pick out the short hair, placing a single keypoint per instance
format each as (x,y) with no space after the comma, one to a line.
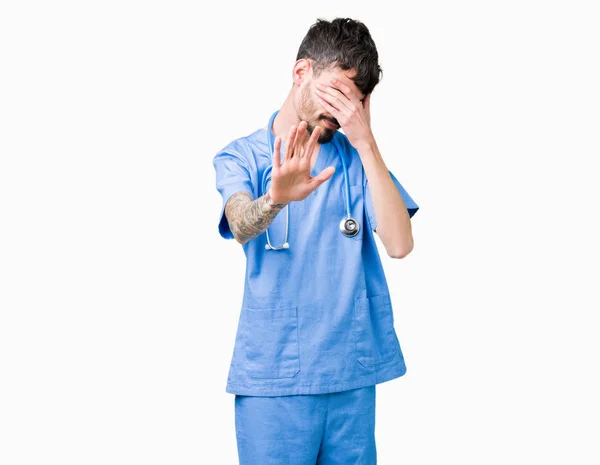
(347,44)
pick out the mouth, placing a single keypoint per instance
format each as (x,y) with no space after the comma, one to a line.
(331,125)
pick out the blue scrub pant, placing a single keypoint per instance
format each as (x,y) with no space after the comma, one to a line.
(317,429)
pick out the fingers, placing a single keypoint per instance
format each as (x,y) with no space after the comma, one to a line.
(351,95)
(344,89)
(330,108)
(312,151)
(323,176)
(298,149)
(289,146)
(277,154)
(334,97)
(300,140)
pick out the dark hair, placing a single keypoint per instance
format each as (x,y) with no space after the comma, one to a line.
(345,43)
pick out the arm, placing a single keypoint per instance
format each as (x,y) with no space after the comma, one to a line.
(353,114)
(393,221)
(249,218)
(291,181)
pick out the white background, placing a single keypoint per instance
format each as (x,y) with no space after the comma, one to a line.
(119,300)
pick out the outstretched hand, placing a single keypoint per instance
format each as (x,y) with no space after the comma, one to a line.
(290,176)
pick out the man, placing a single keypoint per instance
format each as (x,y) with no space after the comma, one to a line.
(316,328)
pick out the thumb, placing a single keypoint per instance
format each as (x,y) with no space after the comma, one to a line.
(323,176)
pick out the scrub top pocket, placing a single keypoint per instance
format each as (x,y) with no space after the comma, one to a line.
(268,342)
(375,337)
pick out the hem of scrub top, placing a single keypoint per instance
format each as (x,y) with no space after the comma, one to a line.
(371,380)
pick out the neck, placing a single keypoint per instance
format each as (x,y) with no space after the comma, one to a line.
(285,119)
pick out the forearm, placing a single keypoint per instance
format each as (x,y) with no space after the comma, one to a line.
(249,218)
(393,222)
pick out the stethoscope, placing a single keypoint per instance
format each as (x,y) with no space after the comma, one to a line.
(348,226)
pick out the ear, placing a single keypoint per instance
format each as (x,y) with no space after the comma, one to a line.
(302,69)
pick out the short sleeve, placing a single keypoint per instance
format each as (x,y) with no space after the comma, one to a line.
(232,175)
(411,205)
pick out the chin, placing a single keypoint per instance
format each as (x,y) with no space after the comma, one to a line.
(325,136)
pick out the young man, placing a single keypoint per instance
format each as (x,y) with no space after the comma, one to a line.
(316,328)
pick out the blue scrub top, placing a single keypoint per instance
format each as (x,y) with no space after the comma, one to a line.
(315,318)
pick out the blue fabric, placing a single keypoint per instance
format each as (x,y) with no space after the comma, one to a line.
(321,429)
(315,318)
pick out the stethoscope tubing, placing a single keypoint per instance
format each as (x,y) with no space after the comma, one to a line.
(265,180)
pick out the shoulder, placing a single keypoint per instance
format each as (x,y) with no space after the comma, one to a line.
(245,148)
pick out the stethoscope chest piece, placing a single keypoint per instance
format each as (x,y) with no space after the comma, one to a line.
(349,227)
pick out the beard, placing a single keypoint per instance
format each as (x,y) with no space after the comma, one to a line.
(308,107)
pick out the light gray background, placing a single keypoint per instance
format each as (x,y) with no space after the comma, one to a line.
(119,301)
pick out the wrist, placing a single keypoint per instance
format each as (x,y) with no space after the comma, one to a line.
(367,146)
(274,203)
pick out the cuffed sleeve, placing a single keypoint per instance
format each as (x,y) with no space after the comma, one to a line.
(411,205)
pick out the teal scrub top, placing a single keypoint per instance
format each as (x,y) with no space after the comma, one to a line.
(317,317)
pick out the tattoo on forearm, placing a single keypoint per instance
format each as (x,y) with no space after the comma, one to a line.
(249,218)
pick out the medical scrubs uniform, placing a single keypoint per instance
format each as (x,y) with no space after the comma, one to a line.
(316,325)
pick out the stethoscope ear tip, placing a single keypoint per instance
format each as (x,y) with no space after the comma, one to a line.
(286,246)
